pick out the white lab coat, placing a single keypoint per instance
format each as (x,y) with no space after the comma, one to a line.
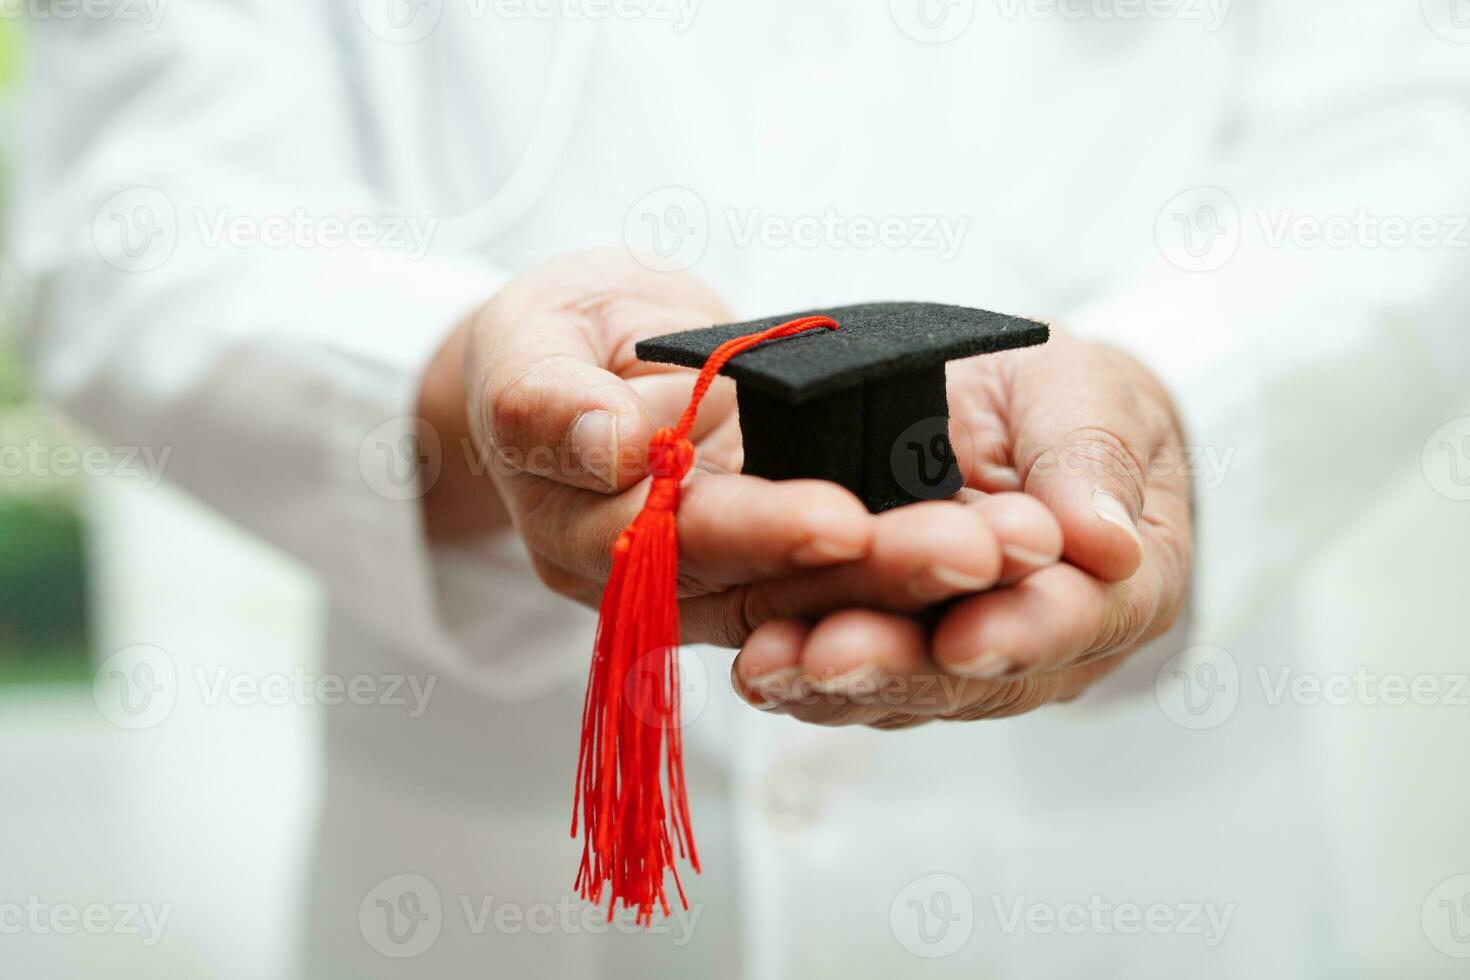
(278,373)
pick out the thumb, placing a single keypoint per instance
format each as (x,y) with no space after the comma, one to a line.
(544,401)
(1087,419)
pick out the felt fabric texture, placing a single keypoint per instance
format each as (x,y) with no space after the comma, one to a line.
(873,340)
(863,406)
(857,437)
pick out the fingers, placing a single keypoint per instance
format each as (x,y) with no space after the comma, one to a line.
(848,652)
(732,529)
(859,667)
(1030,537)
(1087,420)
(752,550)
(925,553)
(766,670)
(1052,618)
(1061,617)
(917,556)
(920,555)
(854,667)
(545,363)
(735,529)
(665,395)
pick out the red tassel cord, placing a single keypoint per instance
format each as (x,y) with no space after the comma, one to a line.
(631,743)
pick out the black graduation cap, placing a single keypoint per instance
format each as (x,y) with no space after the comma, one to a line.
(863,405)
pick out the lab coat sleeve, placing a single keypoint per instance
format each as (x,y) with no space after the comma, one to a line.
(1319,344)
(205,270)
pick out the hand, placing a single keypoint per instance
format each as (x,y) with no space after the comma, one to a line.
(562,411)
(1086,430)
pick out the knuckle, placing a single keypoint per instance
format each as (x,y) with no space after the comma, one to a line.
(518,409)
(1020,696)
(756,607)
(733,621)
(1007,698)
(1129,616)
(1097,452)
(1100,450)
(507,407)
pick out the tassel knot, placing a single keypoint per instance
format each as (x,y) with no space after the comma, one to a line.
(670,457)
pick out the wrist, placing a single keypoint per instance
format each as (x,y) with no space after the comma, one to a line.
(463,502)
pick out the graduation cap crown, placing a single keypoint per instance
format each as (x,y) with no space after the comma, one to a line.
(863,406)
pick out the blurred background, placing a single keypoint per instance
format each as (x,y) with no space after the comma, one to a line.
(130,813)
(101,809)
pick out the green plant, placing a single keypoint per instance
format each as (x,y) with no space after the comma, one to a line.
(43,593)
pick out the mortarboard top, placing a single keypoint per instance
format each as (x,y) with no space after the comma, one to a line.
(864,405)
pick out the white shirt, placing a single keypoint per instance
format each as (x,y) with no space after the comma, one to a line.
(1046,160)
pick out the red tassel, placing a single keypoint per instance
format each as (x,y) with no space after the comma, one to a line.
(630,719)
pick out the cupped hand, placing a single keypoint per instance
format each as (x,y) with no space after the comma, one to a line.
(1083,429)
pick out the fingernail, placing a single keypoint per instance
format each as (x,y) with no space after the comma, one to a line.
(1000,477)
(939,582)
(1111,509)
(774,688)
(594,441)
(863,680)
(822,552)
(1026,557)
(984,667)
(955,579)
